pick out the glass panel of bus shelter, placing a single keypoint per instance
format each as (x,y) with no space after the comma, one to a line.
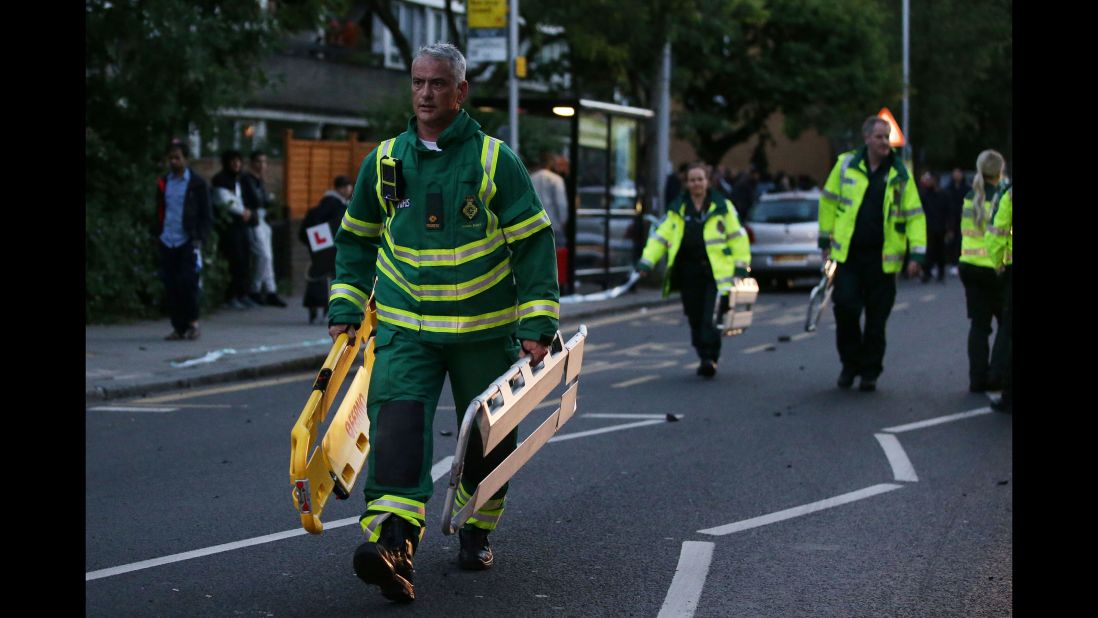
(591,178)
(623,192)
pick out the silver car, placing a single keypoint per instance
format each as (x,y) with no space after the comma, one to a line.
(783,229)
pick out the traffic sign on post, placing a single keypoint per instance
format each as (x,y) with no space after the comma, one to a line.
(895,136)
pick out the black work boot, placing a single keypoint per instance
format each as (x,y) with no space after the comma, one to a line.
(388,563)
(846,378)
(475,553)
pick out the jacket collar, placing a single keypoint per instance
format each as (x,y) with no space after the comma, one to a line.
(861,156)
(712,198)
(462,128)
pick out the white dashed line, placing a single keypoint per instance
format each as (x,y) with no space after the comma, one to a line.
(797,511)
(902,470)
(937,421)
(634,381)
(686,587)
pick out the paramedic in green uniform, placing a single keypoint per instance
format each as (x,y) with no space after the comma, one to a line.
(446,219)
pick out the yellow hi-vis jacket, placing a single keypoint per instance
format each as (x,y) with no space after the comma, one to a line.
(973,247)
(904,221)
(999,237)
(726,243)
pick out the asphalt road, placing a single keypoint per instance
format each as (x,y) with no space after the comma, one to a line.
(775,494)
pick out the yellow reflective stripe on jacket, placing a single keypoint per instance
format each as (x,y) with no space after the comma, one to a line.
(539,307)
(445,257)
(349,292)
(489,158)
(892,257)
(526,227)
(445,323)
(446,292)
(991,229)
(360,227)
(981,252)
(383,150)
(912,212)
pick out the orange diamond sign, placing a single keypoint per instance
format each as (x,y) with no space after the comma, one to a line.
(895,135)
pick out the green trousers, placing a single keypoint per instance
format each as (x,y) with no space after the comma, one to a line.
(404,388)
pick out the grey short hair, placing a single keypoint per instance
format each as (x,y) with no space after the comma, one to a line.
(447,53)
(872,121)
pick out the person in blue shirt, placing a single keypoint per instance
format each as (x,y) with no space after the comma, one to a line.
(183,220)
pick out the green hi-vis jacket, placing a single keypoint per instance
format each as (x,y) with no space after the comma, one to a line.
(726,243)
(973,247)
(999,237)
(465,254)
(904,221)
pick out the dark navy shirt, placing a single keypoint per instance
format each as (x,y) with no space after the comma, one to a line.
(869,226)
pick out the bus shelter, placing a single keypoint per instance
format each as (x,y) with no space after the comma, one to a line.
(605,227)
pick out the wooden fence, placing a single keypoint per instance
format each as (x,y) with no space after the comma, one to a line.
(311,165)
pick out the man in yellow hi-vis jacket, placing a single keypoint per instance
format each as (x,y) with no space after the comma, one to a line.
(869,216)
(447,220)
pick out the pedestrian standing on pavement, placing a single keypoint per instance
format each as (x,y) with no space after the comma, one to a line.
(183,221)
(235,243)
(466,284)
(1000,249)
(983,286)
(935,208)
(263,289)
(706,249)
(956,191)
(554,197)
(322,252)
(869,216)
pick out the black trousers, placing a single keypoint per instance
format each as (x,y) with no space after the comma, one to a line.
(699,295)
(984,300)
(179,269)
(861,285)
(1007,333)
(238,252)
(935,254)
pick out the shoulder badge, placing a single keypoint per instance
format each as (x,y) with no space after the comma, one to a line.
(470,209)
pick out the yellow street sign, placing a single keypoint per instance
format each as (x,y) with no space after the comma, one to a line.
(520,67)
(486,13)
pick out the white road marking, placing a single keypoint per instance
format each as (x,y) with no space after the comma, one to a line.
(129,409)
(797,511)
(902,470)
(800,336)
(634,381)
(305,378)
(632,315)
(937,421)
(440,469)
(928,297)
(613,415)
(758,348)
(595,432)
(686,587)
(900,306)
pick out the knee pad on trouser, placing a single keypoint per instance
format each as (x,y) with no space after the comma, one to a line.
(398,444)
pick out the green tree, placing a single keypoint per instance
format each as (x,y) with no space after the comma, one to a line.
(961,87)
(819,63)
(153,70)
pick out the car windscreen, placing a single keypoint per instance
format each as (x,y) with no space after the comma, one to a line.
(784,211)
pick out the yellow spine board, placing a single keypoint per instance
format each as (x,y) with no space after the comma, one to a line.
(312,478)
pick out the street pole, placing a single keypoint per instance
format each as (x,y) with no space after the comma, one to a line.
(907,80)
(663,130)
(512,80)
